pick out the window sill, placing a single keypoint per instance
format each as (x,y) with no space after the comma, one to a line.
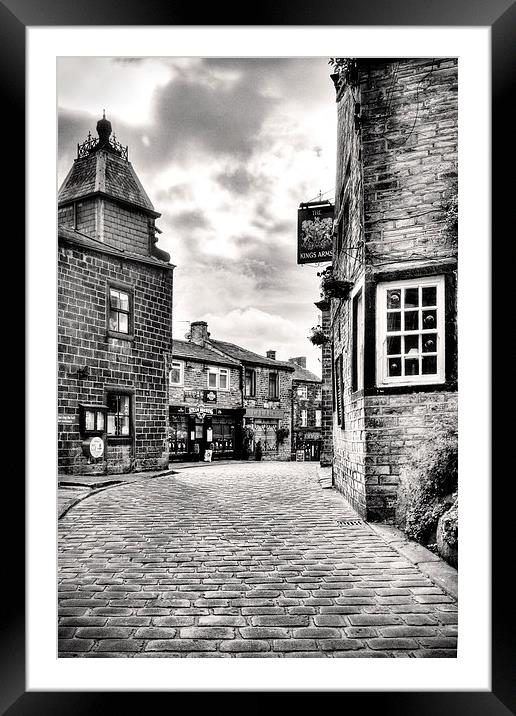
(119,439)
(120,336)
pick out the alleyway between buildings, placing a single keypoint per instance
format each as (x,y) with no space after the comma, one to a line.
(244,560)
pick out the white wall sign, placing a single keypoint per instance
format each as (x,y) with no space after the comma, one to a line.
(97,447)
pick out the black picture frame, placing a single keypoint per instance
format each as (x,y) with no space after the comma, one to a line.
(15,17)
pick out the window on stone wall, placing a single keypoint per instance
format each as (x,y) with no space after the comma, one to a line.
(410,332)
(304,418)
(357,366)
(273,385)
(177,372)
(302,392)
(119,414)
(218,378)
(250,382)
(265,430)
(318,418)
(339,400)
(120,311)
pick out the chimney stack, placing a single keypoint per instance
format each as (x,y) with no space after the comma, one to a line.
(271,355)
(300,361)
(199,332)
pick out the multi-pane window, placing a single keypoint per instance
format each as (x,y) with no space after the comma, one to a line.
(119,414)
(250,382)
(119,311)
(273,385)
(304,418)
(177,372)
(302,392)
(218,378)
(410,318)
(318,418)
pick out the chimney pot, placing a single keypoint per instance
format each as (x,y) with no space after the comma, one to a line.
(271,355)
(199,332)
(300,361)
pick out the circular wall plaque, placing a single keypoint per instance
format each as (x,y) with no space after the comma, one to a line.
(97,447)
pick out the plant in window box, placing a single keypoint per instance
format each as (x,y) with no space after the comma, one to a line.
(331,286)
(317,336)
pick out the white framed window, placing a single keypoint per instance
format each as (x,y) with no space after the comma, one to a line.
(410,331)
(218,378)
(318,417)
(302,392)
(177,372)
(304,418)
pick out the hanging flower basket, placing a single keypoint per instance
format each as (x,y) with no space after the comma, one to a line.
(282,434)
(317,336)
(332,287)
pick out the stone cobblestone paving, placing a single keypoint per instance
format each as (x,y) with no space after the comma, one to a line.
(239,561)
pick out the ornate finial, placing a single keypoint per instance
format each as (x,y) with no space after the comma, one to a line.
(104,131)
(103,114)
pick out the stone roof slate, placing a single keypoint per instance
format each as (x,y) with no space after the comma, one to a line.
(188,349)
(305,375)
(104,173)
(76,237)
(246,356)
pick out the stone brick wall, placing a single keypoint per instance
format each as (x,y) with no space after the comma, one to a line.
(126,229)
(196,381)
(349,438)
(409,148)
(137,366)
(396,169)
(122,227)
(311,404)
(283,404)
(395,425)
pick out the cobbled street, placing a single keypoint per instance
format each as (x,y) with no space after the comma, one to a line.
(244,560)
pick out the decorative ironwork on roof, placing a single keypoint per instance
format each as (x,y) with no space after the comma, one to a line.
(103,141)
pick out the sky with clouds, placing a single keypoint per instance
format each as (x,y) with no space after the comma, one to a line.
(226,149)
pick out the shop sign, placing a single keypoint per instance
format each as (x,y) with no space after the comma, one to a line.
(96,447)
(264,413)
(314,232)
(312,436)
(195,394)
(209,396)
(67,419)
(200,410)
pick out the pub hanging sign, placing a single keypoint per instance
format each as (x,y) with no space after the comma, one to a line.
(314,232)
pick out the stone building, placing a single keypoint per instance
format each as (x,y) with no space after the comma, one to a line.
(392,286)
(114,317)
(239,398)
(206,405)
(306,412)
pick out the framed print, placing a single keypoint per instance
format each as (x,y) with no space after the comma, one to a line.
(228,400)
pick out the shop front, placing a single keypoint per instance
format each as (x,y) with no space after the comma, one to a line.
(308,445)
(194,429)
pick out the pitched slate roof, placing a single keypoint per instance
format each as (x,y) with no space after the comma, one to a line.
(242,354)
(305,375)
(103,172)
(193,351)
